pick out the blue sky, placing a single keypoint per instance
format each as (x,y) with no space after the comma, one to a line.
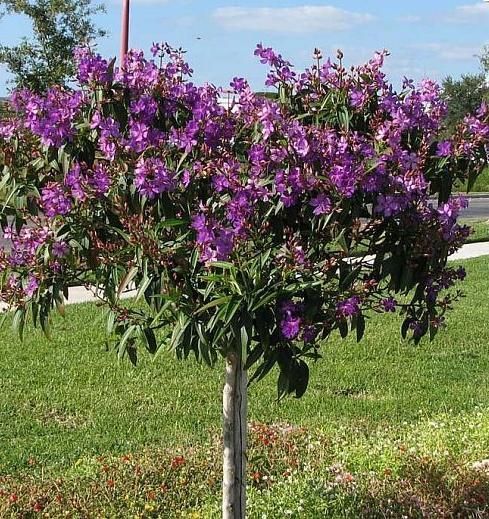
(429,38)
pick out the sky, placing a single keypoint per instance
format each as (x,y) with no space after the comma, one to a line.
(426,38)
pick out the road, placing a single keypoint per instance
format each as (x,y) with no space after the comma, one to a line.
(478,208)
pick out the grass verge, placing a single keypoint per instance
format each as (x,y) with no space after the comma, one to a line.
(386,427)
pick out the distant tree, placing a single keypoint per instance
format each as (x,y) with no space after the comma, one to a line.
(465,95)
(58,26)
(484,58)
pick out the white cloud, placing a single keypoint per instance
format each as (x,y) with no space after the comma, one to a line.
(410,18)
(448,51)
(470,13)
(300,19)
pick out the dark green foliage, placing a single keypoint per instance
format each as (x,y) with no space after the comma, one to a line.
(464,96)
(58,27)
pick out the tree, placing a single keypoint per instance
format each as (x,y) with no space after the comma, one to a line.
(465,95)
(253,233)
(58,27)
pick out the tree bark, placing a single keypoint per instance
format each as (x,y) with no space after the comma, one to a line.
(234,406)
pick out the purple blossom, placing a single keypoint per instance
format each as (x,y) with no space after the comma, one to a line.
(322,204)
(444,149)
(152,177)
(348,308)
(309,334)
(55,201)
(291,320)
(239,84)
(100,180)
(60,249)
(389,304)
(358,98)
(215,242)
(75,181)
(290,327)
(32,286)
(92,68)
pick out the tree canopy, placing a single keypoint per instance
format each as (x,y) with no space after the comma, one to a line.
(465,94)
(58,27)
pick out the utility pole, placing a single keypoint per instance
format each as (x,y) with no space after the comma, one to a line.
(124,31)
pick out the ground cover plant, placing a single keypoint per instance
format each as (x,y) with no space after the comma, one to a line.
(236,225)
(386,427)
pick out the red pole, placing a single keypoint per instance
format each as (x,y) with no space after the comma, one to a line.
(124,30)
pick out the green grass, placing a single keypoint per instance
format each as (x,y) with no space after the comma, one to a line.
(480,229)
(70,398)
(481,184)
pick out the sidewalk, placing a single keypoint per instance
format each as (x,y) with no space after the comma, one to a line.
(83,295)
(471,250)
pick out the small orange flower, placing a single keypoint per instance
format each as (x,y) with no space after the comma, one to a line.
(177,461)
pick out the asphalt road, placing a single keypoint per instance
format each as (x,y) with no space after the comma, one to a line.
(478,208)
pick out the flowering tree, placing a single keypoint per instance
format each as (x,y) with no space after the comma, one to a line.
(251,232)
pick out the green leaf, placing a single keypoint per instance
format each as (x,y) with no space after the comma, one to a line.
(360,327)
(405,327)
(254,356)
(343,328)
(18,322)
(126,280)
(348,275)
(150,339)
(222,264)
(121,349)
(283,384)
(132,353)
(263,369)
(300,378)
(171,222)
(216,302)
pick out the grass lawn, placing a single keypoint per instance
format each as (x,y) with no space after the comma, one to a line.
(481,185)
(67,401)
(480,229)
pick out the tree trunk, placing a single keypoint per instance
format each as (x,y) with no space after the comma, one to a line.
(234,407)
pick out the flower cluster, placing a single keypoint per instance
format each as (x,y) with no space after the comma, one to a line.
(144,173)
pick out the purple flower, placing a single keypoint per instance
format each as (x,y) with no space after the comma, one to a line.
(389,304)
(100,180)
(390,205)
(290,327)
(74,180)
(215,242)
(239,84)
(357,98)
(152,177)
(309,334)
(60,249)
(92,68)
(348,308)
(444,149)
(54,200)
(32,286)
(291,320)
(322,204)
